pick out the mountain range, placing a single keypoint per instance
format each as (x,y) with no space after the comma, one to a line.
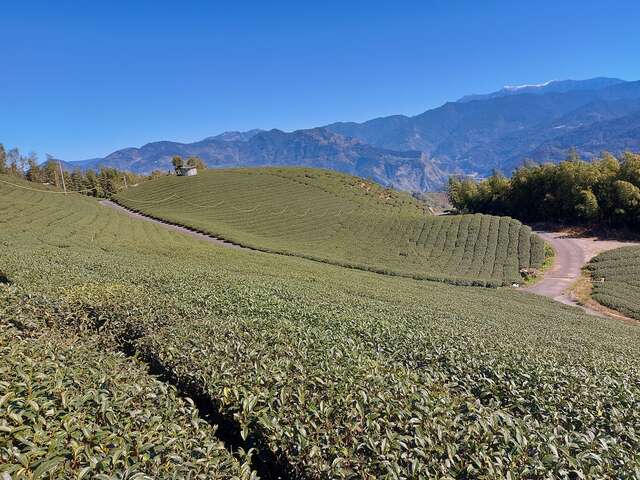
(472,136)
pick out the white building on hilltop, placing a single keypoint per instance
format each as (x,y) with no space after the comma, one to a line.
(186,171)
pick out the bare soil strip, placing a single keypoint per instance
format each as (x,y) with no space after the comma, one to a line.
(572,253)
(171,226)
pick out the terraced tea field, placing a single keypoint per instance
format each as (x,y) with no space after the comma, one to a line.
(326,372)
(342,220)
(70,409)
(616,280)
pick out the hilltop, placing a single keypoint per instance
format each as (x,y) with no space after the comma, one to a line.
(340,219)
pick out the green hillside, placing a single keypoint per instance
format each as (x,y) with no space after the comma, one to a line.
(70,409)
(327,372)
(616,280)
(343,220)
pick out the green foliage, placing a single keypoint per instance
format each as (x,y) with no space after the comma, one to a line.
(177,162)
(628,199)
(606,190)
(70,409)
(462,192)
(3,160)
(104,183)
(339,219)
(587,205)
(337,372)
(196,162)
(616,280)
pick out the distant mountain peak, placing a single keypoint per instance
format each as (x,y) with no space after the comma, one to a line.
(315,147)
(550,86)
(236,135)
(533,85)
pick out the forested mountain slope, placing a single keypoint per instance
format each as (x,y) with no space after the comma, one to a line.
(501,131)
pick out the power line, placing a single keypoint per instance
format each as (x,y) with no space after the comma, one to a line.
(46,191)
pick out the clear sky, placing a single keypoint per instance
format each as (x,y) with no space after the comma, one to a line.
(81,79)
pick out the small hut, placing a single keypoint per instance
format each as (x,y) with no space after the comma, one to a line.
(186,171)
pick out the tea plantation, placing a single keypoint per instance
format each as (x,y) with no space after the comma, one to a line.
(616,280)
(342,220)
(304,369)
(69,408)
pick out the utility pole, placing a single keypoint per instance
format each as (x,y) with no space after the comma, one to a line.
(64,187)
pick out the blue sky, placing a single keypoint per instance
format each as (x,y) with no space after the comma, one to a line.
(81,79)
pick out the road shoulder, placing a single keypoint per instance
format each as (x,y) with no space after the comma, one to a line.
(572,253)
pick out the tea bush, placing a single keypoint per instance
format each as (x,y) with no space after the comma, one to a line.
(70,409)
(333,372)
(339,219)
(616,280)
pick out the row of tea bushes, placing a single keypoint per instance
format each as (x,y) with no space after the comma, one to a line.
(340,394)
(616,280)
(337,372)
(342,220)
(71,409)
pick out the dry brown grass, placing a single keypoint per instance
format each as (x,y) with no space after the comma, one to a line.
(580,292)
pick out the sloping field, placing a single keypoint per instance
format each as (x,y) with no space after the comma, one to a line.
(69,409)
(343,220)
(327,372)
(616,280)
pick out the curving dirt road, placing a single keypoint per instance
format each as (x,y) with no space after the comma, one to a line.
(571,255)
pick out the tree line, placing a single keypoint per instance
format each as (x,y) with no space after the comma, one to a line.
(101,183)
(178,163)
(605,191)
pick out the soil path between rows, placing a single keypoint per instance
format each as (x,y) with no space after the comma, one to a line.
(572,253)
(171,226)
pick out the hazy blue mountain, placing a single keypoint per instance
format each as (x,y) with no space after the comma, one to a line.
(473,136)
(501,131)
(83,165)
(613,134)
(408,170)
